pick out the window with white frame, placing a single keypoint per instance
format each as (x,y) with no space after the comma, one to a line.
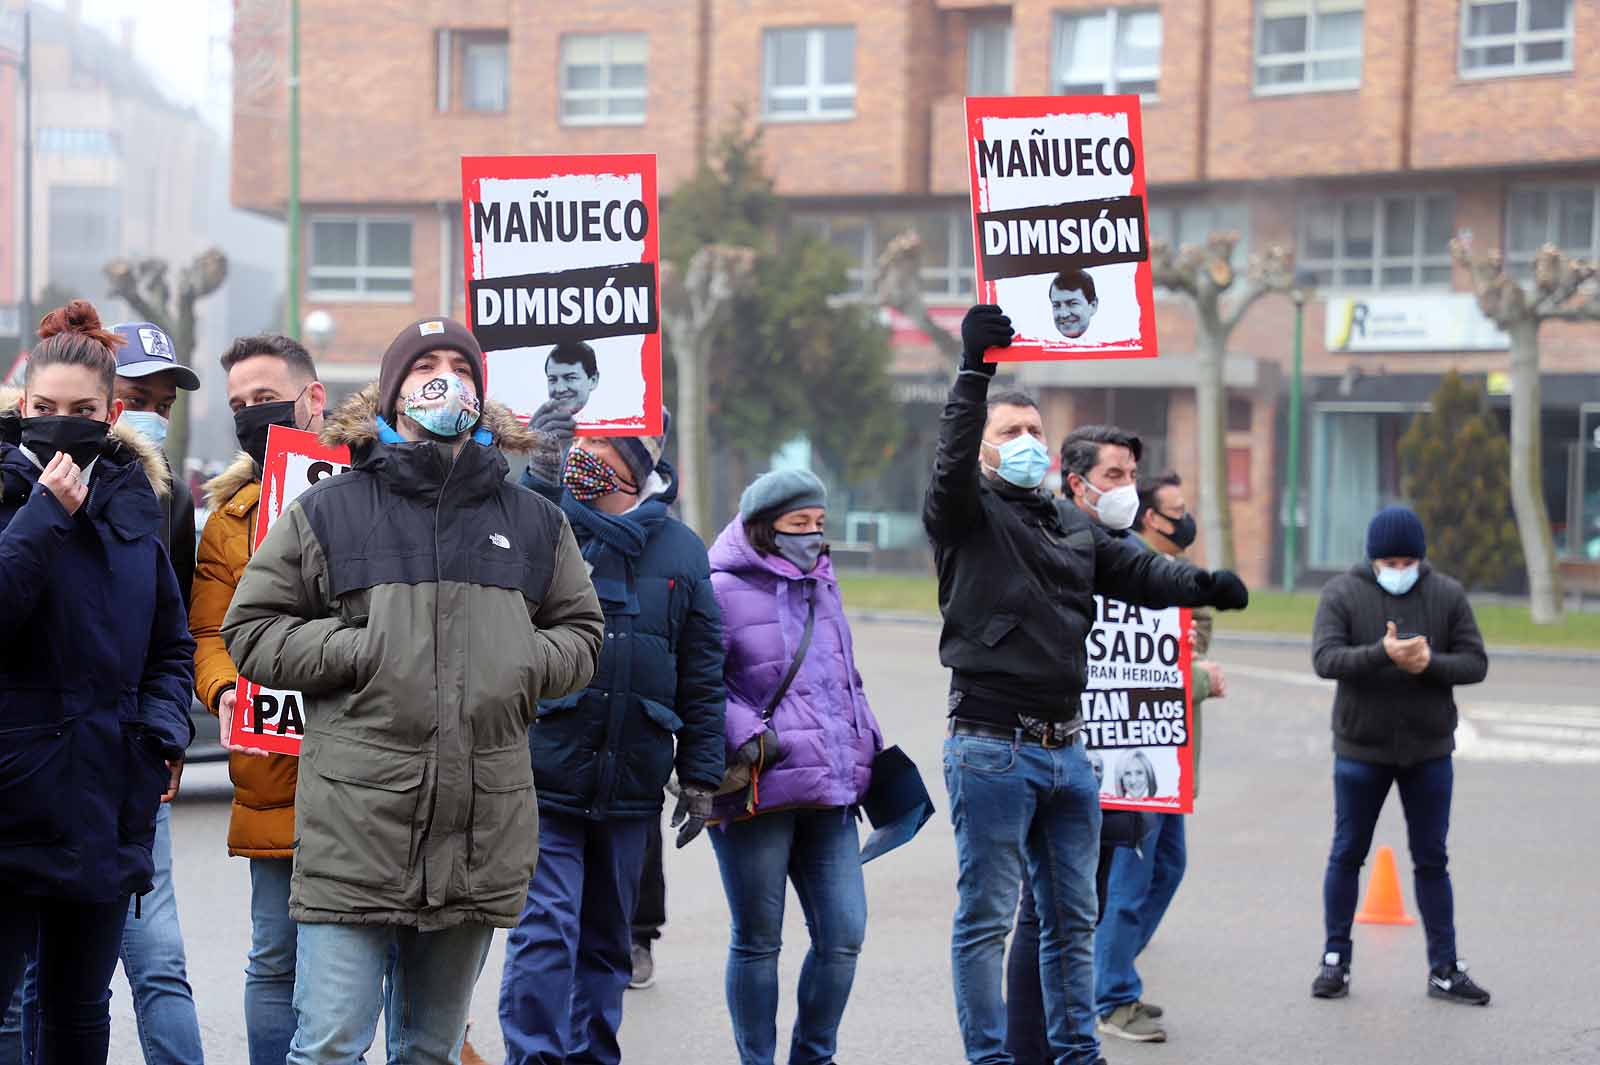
(1381,242)
(989,58)
(1567,216)
(1500,37)
(474,70)
(810,73)
(1184,224)
(1308,45)
(947,270)
(603,78)
(359,258)
(1113,51)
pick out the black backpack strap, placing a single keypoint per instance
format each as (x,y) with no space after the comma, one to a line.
(794,667)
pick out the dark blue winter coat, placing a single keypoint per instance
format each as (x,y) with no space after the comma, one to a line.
(96,667)
(606,752)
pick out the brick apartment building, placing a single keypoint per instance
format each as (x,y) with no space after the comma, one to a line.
(1364,135)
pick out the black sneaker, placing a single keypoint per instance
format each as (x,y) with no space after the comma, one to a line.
(1454,985)
(1333,979)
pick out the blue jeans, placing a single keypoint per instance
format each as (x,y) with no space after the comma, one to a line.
(1017,806)
(269,972)
(75,945)
(569,959)
(820,851)
(339,991)
(1140,889)
(153,959)
(1359,791)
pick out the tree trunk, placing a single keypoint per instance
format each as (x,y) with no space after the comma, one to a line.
(694,479)
(1527,486)
(1211,422)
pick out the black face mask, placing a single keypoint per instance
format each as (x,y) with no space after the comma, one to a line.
(1183,530)
(250,425)
(81,438)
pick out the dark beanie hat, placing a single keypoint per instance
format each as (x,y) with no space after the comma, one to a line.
(427,334)
(1396,533)
(775,494)
(641,453)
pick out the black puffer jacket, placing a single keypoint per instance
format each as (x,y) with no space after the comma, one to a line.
(1381,713)
(1018,573)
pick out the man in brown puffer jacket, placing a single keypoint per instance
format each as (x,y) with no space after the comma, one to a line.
(271,381)
(424,606)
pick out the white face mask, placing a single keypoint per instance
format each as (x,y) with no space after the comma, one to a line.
(1116,506)
(1398,581)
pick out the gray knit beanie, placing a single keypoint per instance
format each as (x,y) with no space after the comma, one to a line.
(775,494)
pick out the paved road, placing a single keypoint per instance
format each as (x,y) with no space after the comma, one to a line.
(1233,961)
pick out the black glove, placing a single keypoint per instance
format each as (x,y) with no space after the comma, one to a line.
(693,811)
(1226,591)
(764,749)
(985,326)
(554,430)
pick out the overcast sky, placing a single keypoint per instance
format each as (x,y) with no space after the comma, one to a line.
(183,43)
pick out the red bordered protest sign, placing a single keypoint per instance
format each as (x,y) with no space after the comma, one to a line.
(562,256)
(1059,224)
(271,719)
(1137,709)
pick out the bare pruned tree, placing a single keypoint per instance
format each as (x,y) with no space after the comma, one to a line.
(695,302)
(897,285)
(1206,277)
(1562,289)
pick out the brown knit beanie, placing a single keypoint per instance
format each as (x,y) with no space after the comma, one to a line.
(428,334)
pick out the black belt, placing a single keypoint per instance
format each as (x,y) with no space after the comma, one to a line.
(960,726)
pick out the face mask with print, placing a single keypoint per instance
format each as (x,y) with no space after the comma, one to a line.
(1024,460)
(148,424)
(802,550)
(589,477)
(442,406)
(1116,506)
(1398,581)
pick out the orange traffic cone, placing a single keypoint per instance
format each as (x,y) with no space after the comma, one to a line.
(1384,904)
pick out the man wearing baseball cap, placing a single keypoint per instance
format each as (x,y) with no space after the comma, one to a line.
(425,607)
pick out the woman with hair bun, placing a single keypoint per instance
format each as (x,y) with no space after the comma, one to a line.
(96,666)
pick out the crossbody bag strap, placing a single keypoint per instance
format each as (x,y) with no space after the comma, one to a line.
(794,667)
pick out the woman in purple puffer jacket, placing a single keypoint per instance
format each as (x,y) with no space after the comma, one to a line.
(810,765)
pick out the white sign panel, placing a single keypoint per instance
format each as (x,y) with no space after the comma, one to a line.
(1440,321)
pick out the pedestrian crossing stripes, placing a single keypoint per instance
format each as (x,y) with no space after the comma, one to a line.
(1511,732)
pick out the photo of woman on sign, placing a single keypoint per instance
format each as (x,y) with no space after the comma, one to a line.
(1136,777)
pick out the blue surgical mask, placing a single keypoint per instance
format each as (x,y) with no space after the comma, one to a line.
(1024,460)
(1398,581)
(148,424)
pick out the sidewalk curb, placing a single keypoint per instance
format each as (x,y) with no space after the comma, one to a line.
(1259,639)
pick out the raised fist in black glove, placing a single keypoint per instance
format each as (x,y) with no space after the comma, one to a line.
(985,326)
(1227,591)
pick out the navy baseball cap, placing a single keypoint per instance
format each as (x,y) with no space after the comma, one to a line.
(149,350)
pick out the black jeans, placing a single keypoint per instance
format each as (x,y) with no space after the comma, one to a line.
(76,944)
(1025,1034)
(1359,791)
(650,912)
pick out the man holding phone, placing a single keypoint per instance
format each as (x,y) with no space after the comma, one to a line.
(1398,636)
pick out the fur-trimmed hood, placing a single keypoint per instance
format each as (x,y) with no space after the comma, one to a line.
(354,424)
(149,456)
(221,489)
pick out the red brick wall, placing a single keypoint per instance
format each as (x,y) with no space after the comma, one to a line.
(1502,121)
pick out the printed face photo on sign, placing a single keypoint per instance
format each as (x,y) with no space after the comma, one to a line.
(571,374)
(597,400)
(1073,302)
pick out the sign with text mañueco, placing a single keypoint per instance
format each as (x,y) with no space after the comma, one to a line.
(561,263)
(1137,715)
(1059,225)
(266,718)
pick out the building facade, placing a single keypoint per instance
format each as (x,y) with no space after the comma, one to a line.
(1362,135)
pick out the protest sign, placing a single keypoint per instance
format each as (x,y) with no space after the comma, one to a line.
(1136,709)
(268,718)
(1059,224)
(561,279)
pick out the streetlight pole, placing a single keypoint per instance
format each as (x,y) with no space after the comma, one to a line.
(26,326)
(1291,533)
(292,307)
